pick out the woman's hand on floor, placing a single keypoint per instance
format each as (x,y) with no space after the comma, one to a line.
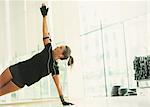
(66,103)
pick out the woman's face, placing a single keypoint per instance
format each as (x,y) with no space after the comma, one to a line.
(59,50)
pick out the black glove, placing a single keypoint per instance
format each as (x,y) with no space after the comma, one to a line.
(64,102)
(44,10)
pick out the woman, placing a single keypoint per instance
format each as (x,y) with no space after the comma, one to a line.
(40,65)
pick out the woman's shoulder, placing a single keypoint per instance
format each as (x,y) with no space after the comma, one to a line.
(48,45)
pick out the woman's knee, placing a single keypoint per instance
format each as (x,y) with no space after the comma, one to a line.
(5,77)
(8,88)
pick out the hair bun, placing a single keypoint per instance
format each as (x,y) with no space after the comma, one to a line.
(70,61)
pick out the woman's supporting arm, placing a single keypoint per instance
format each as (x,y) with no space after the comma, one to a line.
(58,85)
(59,89)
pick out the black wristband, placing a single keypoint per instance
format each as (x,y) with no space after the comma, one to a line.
(62,98)
(45,37)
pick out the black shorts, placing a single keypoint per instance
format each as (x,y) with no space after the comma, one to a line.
(16,77)
(32,70)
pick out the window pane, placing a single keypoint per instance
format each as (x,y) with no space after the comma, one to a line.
(137,41)
(92,56)
(115,58)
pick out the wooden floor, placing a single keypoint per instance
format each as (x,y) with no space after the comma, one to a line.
(133,101)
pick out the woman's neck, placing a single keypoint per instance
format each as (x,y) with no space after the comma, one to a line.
(54,55)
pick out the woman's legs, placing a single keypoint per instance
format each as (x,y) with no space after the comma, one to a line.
(9,87)
(5,77)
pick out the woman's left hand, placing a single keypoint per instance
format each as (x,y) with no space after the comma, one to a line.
(44,10)
(66,103)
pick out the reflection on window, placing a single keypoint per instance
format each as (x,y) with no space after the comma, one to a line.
(137,41)
(115,59)
(93,65)
(122,41)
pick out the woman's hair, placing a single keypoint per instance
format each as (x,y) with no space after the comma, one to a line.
(70,61)
(67,54)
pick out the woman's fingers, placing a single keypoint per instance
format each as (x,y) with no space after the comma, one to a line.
(43,4)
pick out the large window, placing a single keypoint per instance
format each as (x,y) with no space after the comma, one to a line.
(92,55)
(115,56)
(137,40)
(108,51)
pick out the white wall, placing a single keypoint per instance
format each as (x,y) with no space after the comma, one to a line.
(111,12)
(3,45)
(20,29)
